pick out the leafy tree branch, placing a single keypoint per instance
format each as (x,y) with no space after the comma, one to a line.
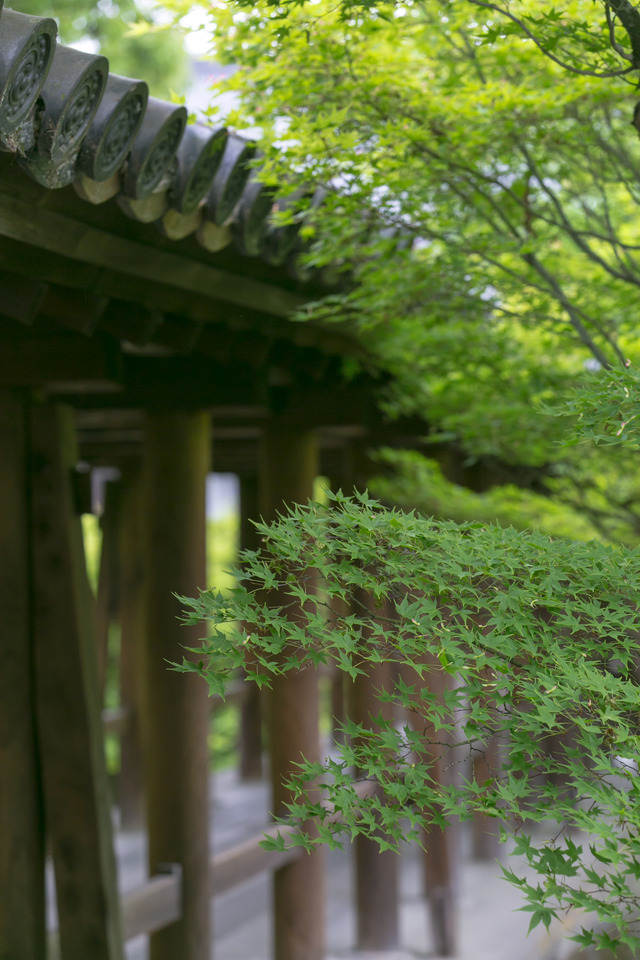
(491,634)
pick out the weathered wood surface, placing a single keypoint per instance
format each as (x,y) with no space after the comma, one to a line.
(77,804)
(21,299)
(441,859)
(64,235)
(157,903)
(174,710)
(154,905)
(485,834)
(21,819)
(57,358)
(248,859)
(290,465)
(376,873)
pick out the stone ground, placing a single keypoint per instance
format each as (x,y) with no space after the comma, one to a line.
(491,927)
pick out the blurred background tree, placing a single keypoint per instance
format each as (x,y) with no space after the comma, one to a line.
(479,211)
(156,55)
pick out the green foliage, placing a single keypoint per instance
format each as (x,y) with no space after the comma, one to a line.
(223,737)
(222,549)
(492,634)
(92,539)
(605,409)
(155,56)
(479,214)
(482,195)
(419,483)
(477,205)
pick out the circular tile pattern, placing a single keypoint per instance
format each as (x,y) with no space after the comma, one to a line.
(161,156)
(26,80)
(118,136)
(78,112)
(203,172)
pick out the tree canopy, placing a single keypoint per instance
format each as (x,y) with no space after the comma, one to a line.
(465,172)
(493,635)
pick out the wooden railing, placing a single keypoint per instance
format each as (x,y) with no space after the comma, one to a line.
(157,903)
(154,905)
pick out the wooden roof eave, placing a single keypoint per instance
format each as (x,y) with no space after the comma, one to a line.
(77,125)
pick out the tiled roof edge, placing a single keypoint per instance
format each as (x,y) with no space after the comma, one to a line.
(69,120)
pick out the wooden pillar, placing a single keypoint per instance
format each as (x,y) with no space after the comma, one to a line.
(485,831)
(377,873)
(131,577)
(174,708)
(289,468)
(440,869)
(441,857)
(77,806)
(22,931)
(251,706)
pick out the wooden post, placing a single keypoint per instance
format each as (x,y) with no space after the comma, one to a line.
(77,807)
(441,856)
(174,708)
(485,832)
(440,869)
(290,465)
(22,931)
(377,874)
(131,575)
(250,708)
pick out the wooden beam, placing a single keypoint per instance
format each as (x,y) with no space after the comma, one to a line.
(70,737)
(290,465)
(180,383)
(154,905)
(248,859)
(179,334)
(64,235)
(22,930)
(206,308)
(158,902)
(174,712)
(131,321)
(20,299)
(37,360)
(76,309)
